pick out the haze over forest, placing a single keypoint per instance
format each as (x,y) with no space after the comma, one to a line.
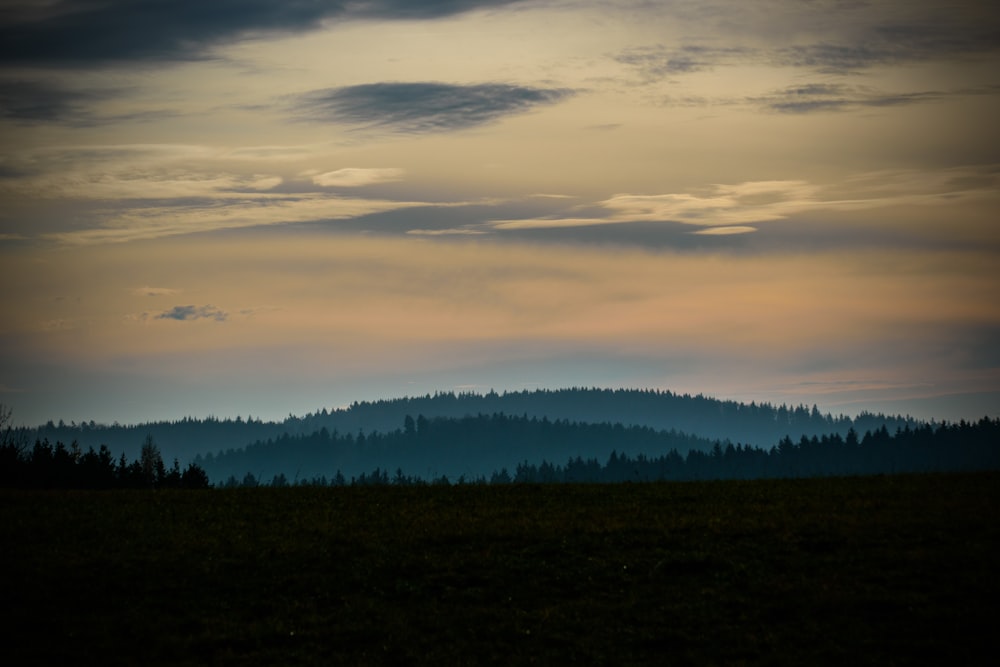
(272,206)
(552,436)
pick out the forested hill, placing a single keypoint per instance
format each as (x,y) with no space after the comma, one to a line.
(468,447)
(759,424)
(714,419)
(499,448)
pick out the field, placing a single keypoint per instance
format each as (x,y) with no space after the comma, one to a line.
(877,570)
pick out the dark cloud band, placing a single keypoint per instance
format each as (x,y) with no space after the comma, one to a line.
(35,101)
(422,107)
(72,33)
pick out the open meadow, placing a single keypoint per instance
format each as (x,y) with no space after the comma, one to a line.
(885,570)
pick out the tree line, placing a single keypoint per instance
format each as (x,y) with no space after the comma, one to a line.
(430,448)
(499,448)
(964,446)
(753,423)
(47,466)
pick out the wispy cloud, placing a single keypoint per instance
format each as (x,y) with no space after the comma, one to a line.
(656,62)
(726,231)
(37,101)
(157,221)
(446,232)
(152,291)
(32,101)
(353,177)
(186,313)
(830,38)
(726,209)
(133,192)
(807,98)
(422,107)
(890,44)
(812,98)
(155,183)
(719,205)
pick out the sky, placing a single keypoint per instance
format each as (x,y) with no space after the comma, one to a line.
(263,207)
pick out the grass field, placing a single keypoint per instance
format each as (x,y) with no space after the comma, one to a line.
(879,570)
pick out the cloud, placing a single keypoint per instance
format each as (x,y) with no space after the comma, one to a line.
(420,107)
(812,98)
(728,209)
(185,313)
(31,102)
(152,291)
(259,182)
(826,37)
(38,101)
(726,231)
(156,221)
(132,192)
(835,58)
(270,153)
(133,171)
(45,170)
(445,232)
(728,206)
(71,34)
(551,223)
(655,63)
(893,43)
(827,97)
(353,177)
(153,183)
(720,205)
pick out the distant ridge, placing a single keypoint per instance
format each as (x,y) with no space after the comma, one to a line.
(706,417)
(761,424)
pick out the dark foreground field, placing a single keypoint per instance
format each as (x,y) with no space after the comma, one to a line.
(880,570)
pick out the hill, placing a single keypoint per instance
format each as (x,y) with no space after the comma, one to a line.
(760,424)
(499,448)
(465,447)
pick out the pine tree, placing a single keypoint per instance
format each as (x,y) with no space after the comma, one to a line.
(151,462)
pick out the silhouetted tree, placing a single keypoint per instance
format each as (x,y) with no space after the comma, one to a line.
(13,448)
(171,479)
(194,477)
(502,477)
(151,462)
